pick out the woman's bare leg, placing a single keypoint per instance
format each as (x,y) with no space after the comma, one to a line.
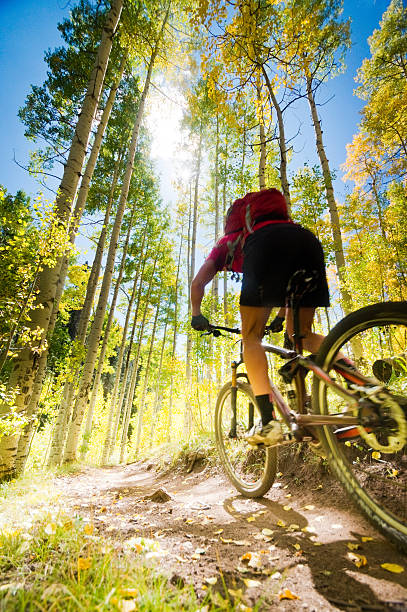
(254,320)
(310,341)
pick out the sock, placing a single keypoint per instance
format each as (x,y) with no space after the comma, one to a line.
(265,407)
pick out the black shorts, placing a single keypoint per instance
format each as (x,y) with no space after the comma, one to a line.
(271,256)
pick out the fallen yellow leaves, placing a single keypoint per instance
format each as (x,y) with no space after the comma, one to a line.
(353,545)
(89,528)
(393,568)
(358,560)
(287,594)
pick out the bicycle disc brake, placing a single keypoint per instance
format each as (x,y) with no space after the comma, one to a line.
(384,424)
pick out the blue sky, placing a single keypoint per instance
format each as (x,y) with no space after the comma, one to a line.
(28,28)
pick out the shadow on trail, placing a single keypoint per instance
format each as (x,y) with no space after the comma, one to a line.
(335,577)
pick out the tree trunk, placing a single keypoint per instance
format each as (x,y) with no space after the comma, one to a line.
(65,408)
(25,368)
(262,137)
(128,366)
(109,431)
(188,416)
(94,335)
(333,211)
(215,282)
(156,407)
(281,141)
(129,405)
(96,382)
(174,340)
(146,375)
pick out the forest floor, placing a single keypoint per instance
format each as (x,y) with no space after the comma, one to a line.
(294,549)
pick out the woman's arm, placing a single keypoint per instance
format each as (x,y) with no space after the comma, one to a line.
(204,276)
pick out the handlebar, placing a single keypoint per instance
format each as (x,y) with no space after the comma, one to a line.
(215,330)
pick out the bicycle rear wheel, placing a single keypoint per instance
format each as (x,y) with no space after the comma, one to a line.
(371,463)
(252,471)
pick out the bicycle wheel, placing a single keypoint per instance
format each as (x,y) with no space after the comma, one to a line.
(371,463)
(252,471)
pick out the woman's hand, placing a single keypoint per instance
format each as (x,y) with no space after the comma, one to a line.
(200,323)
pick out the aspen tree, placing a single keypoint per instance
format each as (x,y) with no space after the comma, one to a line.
(25,367)
(129,404)
(65,408)
(108,439)
(98,374)
(141,403)
(94,335)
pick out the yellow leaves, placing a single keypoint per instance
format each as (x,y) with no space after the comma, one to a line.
(84,563)
(353,546)
(376,455)
(287,594)
(358,560)
(281,523)
(366,539)
(393,568)
(89,529)
(287,508)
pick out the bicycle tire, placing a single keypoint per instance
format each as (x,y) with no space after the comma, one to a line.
(266,466)
(358,476)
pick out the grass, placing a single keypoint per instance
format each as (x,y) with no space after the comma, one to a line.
(53,561)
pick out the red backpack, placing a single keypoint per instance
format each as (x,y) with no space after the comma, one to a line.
(245,213)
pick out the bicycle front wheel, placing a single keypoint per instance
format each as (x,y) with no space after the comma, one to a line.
(371,463)
(252,471)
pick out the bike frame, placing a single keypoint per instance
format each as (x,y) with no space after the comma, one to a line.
(299,366)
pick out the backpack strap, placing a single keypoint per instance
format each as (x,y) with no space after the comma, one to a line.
(231,246)
(248,220)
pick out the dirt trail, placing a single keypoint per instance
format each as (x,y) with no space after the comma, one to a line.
(206,527)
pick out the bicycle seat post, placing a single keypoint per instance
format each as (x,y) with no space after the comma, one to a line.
(295,307)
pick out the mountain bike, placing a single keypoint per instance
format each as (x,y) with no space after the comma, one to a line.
(356,417)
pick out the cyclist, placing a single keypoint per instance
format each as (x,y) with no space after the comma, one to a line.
(268,253)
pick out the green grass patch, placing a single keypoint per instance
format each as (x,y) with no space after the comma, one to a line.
(63,564)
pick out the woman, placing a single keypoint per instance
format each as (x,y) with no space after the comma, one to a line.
(268,252)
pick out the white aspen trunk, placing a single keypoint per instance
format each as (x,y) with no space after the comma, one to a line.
(188,408)
(156,407)
(128,366)
(281,141)
(215,282)
(108,439)
(65,408)
(96,382)
(262,138)
(26,366)
(174,340)
(130,398)
(330,196)
(94,335)
(333,212)
(26,437)
(146,375)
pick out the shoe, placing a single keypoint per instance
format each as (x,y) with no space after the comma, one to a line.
(269,435)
